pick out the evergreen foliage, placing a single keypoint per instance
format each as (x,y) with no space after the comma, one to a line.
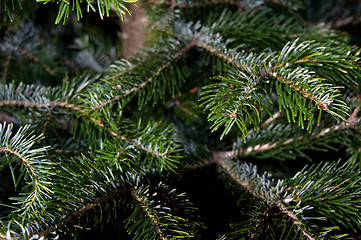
(240,120)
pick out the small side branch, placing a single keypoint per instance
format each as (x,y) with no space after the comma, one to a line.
(268,121)
(305,93)
(40,105)
(350,123)
(48,118)
(82,211)
(81,111)
(35,59)
(295,220)
(150,215)
(32,171)
(150,79)
(218,158)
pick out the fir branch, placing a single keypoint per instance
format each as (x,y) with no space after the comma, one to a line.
(249,28)
(135,141)
(81,185)
(219,159)
(305,92)
(350,123)
(338,188)
(259,187)
(156,211)
(38,170)
(149,214)
(35,59)
(122,192)
(81,112)
(246,176)
(233,91)
(150,79)
(34,176)
(339,63)
(31,56)
(295,220)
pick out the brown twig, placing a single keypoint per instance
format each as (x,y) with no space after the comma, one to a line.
(67,151)
(48,118)
(217,53)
